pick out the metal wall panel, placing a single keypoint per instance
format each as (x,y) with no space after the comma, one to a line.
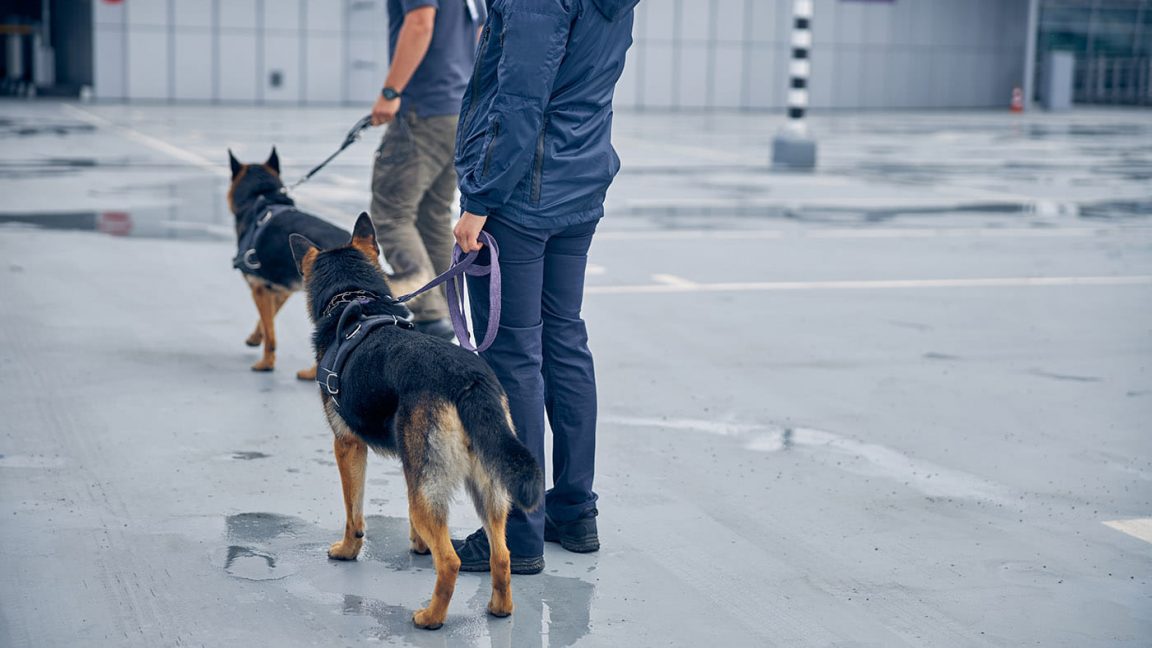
(148,61)
(192,65)
(236,75)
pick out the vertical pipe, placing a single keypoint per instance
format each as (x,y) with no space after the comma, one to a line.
(1030,52)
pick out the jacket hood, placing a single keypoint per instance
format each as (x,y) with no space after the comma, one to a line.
(615,9)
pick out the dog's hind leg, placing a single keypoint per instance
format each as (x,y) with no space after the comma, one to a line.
(257,336)
(500,562)
(417,545)
(430,521)
(352,459)
(265,300)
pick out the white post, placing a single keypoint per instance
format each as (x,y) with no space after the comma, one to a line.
(1030,52)
(793,147)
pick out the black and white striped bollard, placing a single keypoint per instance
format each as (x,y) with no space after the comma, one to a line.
(793,147)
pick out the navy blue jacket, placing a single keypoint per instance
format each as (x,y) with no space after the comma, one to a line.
(534,141)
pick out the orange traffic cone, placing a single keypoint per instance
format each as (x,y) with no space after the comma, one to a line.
(1017,100)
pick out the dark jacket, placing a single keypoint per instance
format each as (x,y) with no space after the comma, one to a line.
(534,141)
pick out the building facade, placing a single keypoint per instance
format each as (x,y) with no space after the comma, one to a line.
(688,54)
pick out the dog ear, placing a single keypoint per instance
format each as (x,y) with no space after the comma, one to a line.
(235,164)
(273,161)
(364,236)
(304,252)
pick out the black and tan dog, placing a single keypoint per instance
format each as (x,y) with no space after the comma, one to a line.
(437,407)
(265,218)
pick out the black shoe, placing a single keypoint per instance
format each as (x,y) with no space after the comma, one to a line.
(579,535)
(474,555)
(440,328)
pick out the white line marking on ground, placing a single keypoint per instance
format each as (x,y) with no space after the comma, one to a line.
(874,233)
(711,427)
(868,459)
(195,159)
(595,269)
(673,280)
(884,284)
(1137,528)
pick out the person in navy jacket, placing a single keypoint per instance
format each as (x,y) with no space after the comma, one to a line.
(534,159)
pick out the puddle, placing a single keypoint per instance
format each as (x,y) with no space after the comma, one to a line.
(252,564)
(1064,377)
(263,527)
(18,127)
(249,455)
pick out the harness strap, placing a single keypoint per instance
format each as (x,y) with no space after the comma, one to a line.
(353,317)
(245,260)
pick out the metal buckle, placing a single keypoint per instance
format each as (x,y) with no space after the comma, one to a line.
(332,391)
(353,333)
(250,259)
(265,217)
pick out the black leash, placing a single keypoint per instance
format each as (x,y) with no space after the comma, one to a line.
(364,124)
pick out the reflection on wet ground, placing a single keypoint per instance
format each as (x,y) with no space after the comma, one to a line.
(551,610)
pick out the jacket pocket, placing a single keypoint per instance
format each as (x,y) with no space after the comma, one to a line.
(538,165)
(488,149)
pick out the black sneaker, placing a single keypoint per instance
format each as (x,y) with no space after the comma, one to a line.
(440,328)
(579,535)
(474,555)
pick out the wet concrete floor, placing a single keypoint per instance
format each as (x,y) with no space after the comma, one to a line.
(903,401)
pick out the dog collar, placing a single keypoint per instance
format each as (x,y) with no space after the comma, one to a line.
(361,296)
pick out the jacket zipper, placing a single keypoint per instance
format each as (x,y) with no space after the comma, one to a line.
(475,74)
(538,167)
(488,153)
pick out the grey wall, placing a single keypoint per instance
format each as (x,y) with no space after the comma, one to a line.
(903,54)
(688,53)
(326,51)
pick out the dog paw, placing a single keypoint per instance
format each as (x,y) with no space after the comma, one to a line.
(418,547)
(306,374)
(344,550)
(500,607)
(264,365)
(254,340)
(425,619)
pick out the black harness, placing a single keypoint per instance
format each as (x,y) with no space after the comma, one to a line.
(352,329)
(265,209)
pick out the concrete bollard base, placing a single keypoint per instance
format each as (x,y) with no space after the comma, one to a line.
(790,151)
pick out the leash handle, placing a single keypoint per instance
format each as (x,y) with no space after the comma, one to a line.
(456,294)
(454,277)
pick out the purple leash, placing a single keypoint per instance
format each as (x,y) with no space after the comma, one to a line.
(466,265)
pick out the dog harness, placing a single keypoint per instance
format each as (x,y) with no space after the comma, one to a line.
(352,329)
(266,209)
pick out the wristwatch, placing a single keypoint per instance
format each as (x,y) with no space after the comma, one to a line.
(390,93)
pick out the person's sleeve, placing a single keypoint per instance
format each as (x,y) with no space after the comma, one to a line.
(535,38)
(408,6)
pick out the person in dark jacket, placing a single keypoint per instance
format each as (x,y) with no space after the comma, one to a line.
(534,159)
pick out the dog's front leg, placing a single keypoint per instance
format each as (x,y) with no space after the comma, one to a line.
(352,459)
(265,300)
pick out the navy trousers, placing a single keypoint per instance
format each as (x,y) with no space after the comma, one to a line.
(541,357)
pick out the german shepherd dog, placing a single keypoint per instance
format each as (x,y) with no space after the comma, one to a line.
(254,188)
(437,407)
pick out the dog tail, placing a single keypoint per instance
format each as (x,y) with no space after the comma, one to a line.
(488,425)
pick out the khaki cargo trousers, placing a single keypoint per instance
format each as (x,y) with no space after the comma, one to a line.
(413,184)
